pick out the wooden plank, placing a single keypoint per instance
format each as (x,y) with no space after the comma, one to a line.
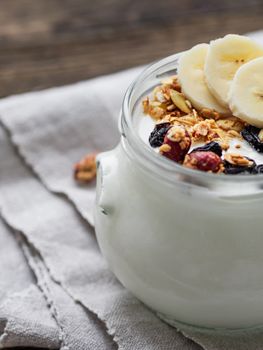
(28,21)
(53,42)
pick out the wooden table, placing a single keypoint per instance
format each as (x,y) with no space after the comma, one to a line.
(47,43)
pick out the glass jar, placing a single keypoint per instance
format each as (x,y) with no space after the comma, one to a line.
(188,244)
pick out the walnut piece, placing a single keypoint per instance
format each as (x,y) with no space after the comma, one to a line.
(85,169)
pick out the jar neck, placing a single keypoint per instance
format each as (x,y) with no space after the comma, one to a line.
(168,171)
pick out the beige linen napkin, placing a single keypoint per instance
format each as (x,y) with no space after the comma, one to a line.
(66,242)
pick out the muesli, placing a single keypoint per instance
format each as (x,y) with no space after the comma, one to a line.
(202,113)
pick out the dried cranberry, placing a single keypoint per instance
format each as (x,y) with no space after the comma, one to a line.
(176,144)
(258,169)
(250,134)
(203,160)
(157,135)
(210,147)
(233,169)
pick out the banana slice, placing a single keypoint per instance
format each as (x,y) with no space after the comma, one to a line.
(191,78)
(246,93)
(224,57)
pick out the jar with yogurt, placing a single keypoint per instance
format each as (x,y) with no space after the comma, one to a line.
(187,243)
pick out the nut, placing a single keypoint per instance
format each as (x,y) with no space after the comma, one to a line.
(209,114)
(85,169)
(180,101)
(176,144)
(235,163)
(165,148)
(201,129)
(238,159)
(145,105)
(158,94)
(230,124)
(205,161)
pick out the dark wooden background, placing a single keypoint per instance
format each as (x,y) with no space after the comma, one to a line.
(47,43)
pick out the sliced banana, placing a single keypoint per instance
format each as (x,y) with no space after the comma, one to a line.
(225,56)
(246,93)
(191,78)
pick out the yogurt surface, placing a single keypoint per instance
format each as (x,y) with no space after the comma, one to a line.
(144,125)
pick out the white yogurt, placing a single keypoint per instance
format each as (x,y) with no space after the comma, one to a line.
(144,125)
(189,254)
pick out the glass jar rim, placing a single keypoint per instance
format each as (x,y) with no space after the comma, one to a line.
(149,159)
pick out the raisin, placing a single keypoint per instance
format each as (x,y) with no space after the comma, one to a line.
(250,134)
(258,169)
(157,135)
(233,169)
(210,147)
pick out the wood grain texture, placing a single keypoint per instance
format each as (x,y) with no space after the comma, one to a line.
(54,42)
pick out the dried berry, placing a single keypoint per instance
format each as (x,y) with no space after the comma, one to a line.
(251,135)
(211,146)
(258,169)
(176,144)
(204,160)
(157,135)
(234,169)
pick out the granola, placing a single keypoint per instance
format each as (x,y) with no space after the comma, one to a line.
(169,107)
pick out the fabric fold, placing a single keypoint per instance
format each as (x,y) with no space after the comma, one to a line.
(69,249)
(78,328)
(24,316)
